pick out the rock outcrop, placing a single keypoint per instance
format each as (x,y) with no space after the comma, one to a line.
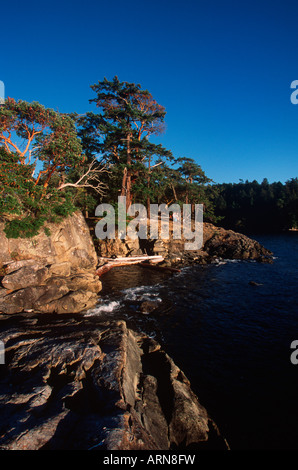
(49,273)
(121,247)
(71,383)
(228,244)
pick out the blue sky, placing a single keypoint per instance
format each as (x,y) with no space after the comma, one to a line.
(222,69)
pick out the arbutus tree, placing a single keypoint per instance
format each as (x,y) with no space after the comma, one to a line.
(34,139)
(42,137)
(31,131)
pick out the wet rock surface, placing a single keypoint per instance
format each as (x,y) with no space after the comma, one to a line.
(71,383)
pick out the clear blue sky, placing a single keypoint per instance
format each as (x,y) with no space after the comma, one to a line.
(221,68)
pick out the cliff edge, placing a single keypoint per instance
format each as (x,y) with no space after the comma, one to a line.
(69,383)
(52,273)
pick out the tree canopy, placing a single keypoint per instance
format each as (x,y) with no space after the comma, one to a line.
(41,162)
(120,133)
(52,163)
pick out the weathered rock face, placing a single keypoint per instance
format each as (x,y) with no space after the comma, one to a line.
(71,383)
(54,273)
(123,247)
(228,244)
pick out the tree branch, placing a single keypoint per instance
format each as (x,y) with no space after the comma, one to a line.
(90,179)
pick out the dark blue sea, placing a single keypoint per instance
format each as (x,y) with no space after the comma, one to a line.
(232,339)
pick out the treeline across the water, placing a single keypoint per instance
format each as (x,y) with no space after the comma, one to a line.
(253,207)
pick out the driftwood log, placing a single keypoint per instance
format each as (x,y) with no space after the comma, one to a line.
(109,263)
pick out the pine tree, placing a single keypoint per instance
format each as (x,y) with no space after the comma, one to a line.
(120,133)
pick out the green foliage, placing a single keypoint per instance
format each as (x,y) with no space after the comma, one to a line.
(26,227)
(129,115)
(32,210)
(54,172)
(253,207)
(46,134)
(50,138)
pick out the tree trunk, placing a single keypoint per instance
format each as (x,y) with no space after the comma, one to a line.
(174,192)
(123,188)
(148,188)
(128,177)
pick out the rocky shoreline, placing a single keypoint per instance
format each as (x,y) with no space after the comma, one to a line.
(69,382)
(56,273)
(218,243)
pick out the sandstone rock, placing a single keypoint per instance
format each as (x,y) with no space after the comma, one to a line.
(16,265)
(123,247)
(69,241)
(60,269)
(85,282)
(3,292)
(51,296)
(27,276)
(133,247)
(217,243)
(73,302)
(108,248)
(21,300)
(72,384)
(53,273)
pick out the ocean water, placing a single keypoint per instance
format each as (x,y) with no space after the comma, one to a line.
(231,338)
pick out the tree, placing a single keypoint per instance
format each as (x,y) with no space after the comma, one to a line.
(39,135)
(253,207)
(194,179)
(120,134)
(35,138)
(32,131)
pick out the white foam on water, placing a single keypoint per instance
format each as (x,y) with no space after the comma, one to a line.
(104,306)
(132,294)
(220,262)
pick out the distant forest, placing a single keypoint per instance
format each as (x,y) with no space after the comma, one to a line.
(253,207)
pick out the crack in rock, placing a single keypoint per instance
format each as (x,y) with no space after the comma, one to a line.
(70,383)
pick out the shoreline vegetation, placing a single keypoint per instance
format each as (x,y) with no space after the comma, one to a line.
(68,383)
(52,164)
